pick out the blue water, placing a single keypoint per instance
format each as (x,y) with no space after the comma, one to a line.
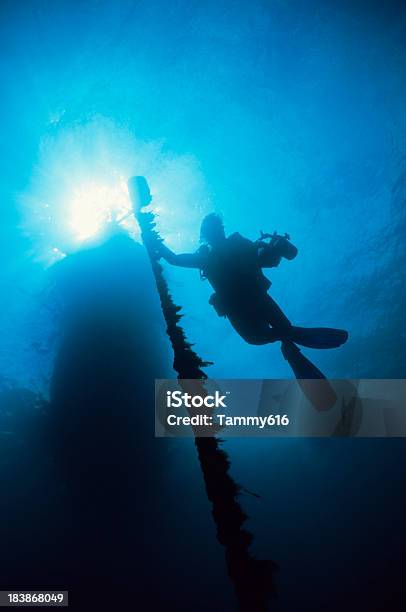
(283,115)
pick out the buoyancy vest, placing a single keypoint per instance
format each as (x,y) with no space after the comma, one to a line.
(234,272)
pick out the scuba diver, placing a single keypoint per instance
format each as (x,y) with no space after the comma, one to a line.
(233,266)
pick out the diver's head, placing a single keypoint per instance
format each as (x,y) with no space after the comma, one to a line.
(212,229)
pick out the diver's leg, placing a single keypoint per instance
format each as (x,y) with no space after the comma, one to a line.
(265,322)
(261,321)
(276,317)
(253,329)
(312,337)
(256,330)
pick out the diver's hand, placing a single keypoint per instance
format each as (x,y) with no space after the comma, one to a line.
(158,250)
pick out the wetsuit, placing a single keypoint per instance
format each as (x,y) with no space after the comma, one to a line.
(234,269)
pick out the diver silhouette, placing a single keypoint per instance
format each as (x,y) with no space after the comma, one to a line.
(233,266)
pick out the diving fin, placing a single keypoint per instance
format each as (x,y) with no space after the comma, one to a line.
(301,366)
(313,383)
(318,337)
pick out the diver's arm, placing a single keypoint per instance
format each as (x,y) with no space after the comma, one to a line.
(268,258)
(183,260)
(270,255)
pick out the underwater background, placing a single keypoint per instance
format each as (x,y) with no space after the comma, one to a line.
(280,115)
